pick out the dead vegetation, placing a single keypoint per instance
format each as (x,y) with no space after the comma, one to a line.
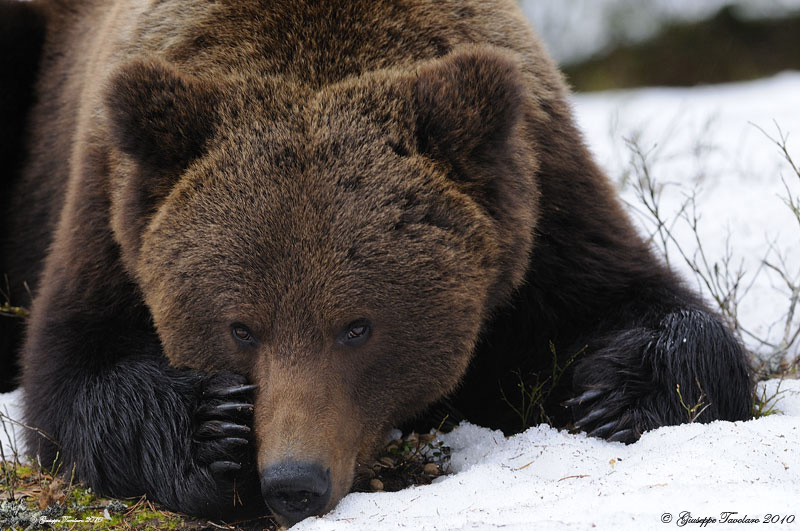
(726,280)
(6,308)
(416,459)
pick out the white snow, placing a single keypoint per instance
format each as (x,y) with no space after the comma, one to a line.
(11,411)
(544,478)
(708,138)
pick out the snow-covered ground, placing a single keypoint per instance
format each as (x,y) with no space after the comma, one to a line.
(548,479)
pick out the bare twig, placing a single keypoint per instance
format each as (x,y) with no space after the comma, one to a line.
(6,418)
(726,280)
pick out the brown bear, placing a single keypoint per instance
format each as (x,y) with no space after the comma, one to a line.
(268,232)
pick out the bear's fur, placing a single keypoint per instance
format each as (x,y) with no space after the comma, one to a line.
(269,232)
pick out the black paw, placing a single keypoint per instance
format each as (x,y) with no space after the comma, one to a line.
(687,368)
(222,438)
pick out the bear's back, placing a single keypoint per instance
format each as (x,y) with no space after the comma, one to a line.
(321,42)
(308,41)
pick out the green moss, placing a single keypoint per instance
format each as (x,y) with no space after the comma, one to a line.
(21,471)
(148,519)
(81,497)
(27,488)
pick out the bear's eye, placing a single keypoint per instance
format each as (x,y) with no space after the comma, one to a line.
(356,333)
(242,334)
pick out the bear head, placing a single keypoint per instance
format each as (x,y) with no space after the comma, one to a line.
(340,246)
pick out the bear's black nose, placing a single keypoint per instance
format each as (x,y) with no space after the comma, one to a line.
(294,491)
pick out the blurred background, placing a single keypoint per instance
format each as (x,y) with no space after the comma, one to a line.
(604,44)
(692,108)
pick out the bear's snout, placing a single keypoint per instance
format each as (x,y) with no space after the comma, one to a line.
(295,490)
(308,435)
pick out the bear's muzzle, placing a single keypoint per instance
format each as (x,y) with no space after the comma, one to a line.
(295,490)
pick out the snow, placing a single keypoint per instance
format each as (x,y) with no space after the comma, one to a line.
(708,138)
(545,478)
(548,479)
(10,411)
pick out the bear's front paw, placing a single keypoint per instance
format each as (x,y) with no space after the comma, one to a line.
(687,368)
(605,413)
(222,421)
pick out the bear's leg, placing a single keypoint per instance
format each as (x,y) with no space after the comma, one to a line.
(142,427)
(595,287)
(109,405)
(595,283)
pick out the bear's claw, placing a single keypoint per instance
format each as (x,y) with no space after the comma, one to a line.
(232,443)
(628,436)
(213,429)
(221,449)
(228,392)
(588,396)
(224,467)
(603,431)
(602,414)
(589,420)
(222,424)
(226,410)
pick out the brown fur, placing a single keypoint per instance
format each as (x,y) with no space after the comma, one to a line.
(295,166)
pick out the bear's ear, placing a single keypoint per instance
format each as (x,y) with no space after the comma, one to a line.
(468,104)
(159,116)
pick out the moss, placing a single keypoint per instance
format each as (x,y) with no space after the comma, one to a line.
(151,519)
(34,498)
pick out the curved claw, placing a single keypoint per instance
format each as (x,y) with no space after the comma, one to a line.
(224,467)
(591,417)
(227,392)
(628,436)
(225,410)
(589,395)
(214,429)
(231,443)
(603,430)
